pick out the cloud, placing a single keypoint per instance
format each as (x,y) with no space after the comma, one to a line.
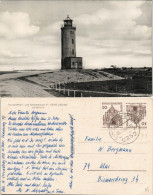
(109,30)
(114,33)
(16,25)
(10,54)
(117,24)
(119,21)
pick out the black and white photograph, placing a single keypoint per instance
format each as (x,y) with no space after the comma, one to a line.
(81,48)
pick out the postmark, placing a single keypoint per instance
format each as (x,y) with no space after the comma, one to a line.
(124,125)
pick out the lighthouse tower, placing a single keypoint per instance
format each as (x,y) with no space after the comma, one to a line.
(68,45)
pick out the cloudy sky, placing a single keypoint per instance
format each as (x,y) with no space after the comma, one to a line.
(108,33)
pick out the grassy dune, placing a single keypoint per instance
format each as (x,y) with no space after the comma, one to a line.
(67,76)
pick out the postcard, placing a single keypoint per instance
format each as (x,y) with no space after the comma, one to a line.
(75,97)
(75,48)
(102,146)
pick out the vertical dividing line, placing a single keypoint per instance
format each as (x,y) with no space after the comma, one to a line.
(0,142)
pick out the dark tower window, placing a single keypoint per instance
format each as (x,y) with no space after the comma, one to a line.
(72,41)
(72,51)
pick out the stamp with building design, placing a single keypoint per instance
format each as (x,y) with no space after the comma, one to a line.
(124,122)
(137,115)
(111,114)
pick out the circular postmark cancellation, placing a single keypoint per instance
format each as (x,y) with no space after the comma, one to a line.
(124,128)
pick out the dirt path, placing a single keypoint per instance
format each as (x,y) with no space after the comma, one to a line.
(15,75)
(19,88)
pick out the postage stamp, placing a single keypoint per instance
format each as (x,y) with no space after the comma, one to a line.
(124,122)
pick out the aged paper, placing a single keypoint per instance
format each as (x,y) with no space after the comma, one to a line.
(77,50)
(76,146)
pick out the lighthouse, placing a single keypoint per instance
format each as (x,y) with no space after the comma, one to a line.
(68,46)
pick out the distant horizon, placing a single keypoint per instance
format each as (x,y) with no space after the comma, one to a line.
(75,69)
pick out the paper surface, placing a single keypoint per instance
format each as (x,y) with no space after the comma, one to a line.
(76,146)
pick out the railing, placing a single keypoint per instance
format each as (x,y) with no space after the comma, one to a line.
(73,25)
(63,89)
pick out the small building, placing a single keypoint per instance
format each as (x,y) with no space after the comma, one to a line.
(68,46)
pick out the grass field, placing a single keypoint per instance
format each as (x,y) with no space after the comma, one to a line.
(110,82)
(113,80)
